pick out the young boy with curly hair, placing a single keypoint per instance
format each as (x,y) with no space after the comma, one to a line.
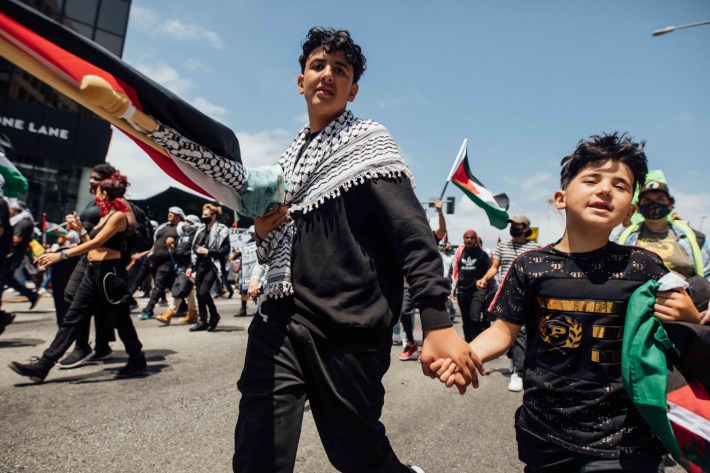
(571,296)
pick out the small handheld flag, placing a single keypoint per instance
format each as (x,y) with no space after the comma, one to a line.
(495,206)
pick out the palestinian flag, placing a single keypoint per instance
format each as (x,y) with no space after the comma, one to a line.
(15,183)
(495,206)
(665,372)
(61,58)
(55,229)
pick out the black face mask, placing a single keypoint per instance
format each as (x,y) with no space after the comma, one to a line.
(206,220)
(654,210)
(515,232)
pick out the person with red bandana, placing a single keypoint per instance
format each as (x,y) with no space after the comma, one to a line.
(103,283)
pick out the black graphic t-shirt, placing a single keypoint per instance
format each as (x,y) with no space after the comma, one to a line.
(573,306)
(473,264)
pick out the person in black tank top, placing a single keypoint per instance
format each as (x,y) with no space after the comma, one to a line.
(66,278)
(116,241)
(103,284)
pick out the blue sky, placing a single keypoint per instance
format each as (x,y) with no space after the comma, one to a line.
(523,81)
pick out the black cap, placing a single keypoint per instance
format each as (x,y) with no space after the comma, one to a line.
(654,186)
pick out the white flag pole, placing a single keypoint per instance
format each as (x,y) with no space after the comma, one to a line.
(459,158)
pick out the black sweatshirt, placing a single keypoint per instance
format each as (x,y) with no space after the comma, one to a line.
(348,261)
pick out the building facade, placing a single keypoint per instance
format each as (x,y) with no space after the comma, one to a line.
(55,141)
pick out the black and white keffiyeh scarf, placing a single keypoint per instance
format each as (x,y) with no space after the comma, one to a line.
(348,152)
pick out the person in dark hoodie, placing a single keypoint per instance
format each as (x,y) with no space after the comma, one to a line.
(183,287)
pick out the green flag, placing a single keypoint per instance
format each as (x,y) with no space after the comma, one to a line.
(15,183)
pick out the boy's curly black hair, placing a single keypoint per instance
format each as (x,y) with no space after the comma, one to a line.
(608,146)
(334,40)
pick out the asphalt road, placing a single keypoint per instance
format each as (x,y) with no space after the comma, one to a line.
(180,416)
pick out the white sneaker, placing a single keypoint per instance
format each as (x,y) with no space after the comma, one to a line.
(415,469)
(516,383)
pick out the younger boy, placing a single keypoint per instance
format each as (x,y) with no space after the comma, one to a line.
(572,297)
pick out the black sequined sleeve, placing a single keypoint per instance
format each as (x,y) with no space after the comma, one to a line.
(221,169)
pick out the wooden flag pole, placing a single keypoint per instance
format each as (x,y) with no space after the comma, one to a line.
(99,92)
(65,85)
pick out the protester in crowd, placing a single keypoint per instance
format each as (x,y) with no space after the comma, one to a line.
(103,284)
(503,257)
(334,284)
(209,247)
(232,269)
(247,263)
(470,263)
(68,274)
(22,225)
(576,415)
(162,265)
(684,250)
(410,349)
(6,318)
(226,286)
(447,258)
(183,287)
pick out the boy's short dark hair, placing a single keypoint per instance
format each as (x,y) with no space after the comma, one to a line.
(334,40)
(608,146)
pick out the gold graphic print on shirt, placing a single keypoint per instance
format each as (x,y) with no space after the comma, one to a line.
(560,333)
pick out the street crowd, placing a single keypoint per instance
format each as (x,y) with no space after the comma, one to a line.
(350,255)
(106,253)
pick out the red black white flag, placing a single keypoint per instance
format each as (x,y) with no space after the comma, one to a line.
(495,206)
(70,57)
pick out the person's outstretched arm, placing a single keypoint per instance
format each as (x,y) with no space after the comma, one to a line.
(495,340)
(441,231)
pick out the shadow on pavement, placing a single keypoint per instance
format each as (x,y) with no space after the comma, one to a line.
(153,357)
(20,342)
(102,376)
(228,328)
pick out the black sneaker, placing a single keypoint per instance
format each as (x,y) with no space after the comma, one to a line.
(76,358)
(6,319)
(135,366)
(212,325)
(34,299)
(102,353)
(243,312)
(199,326)
(37,369)
(415,469)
